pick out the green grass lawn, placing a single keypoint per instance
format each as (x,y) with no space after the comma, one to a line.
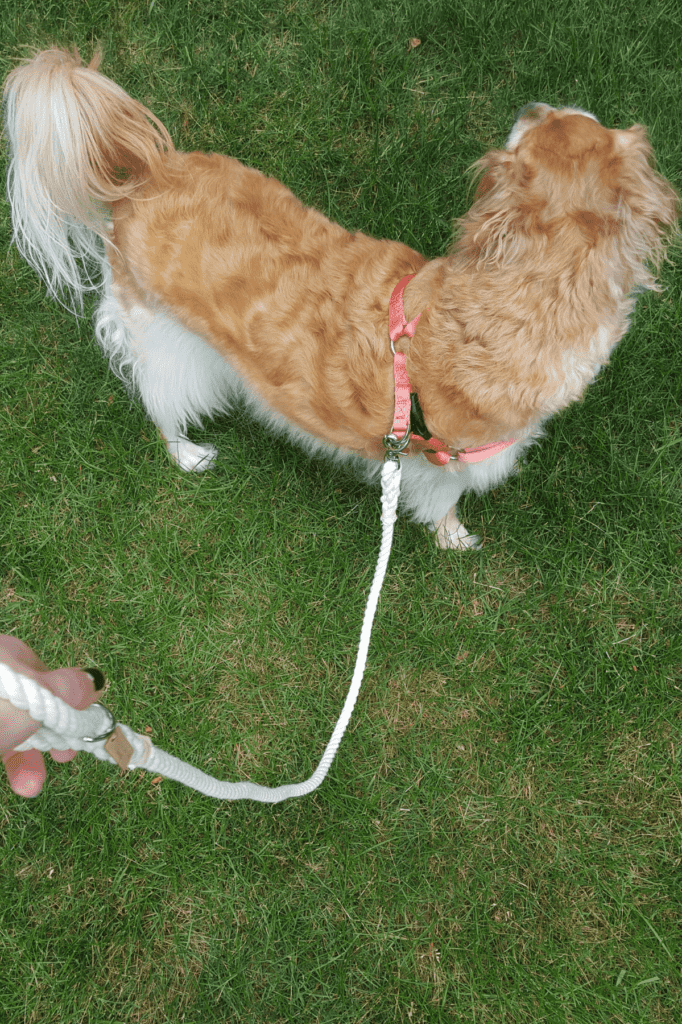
(499,839)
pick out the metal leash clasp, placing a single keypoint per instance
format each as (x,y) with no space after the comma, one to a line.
(396,446)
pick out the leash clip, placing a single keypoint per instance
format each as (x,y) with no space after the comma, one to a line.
(396,446)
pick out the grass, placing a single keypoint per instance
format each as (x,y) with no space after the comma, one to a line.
(499,839)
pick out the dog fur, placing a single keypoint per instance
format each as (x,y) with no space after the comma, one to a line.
(216,283)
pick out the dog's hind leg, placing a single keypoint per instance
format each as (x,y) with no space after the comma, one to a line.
(180,379)
(193,458)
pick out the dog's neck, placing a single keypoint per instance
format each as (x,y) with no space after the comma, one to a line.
(426,294)
(485,399)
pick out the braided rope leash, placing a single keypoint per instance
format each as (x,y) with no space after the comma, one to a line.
(95,730)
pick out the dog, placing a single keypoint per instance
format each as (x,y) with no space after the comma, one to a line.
(217,285)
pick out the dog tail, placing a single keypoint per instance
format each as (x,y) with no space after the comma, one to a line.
(77,143)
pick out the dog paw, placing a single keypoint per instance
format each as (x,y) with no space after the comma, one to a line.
(193,458)
(452,536)
(459,540)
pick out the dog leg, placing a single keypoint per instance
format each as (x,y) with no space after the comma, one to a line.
(451,534)
(179,378)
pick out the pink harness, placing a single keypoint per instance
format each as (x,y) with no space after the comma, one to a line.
(435,451)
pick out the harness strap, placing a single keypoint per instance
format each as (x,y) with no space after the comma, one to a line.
(397,324)
(398,327)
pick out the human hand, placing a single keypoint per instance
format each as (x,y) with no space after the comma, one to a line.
(26,769)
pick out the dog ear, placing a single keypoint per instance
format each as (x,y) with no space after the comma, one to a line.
(639,184)
(492,170)
(648,206)
(488,232)
(485,184)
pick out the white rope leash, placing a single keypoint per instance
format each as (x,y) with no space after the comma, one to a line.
(93,729)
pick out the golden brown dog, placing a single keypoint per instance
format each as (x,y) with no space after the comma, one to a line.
(217,283)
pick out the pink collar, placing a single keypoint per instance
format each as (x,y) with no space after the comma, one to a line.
(435,451)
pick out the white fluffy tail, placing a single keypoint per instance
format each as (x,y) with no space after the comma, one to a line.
(78,143)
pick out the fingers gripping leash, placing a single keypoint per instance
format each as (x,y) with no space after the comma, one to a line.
(96,731)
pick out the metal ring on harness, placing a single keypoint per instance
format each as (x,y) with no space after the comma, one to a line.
(396,446)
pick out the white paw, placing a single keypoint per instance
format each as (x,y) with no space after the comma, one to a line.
(193,458)
(451,535)
(458,540)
